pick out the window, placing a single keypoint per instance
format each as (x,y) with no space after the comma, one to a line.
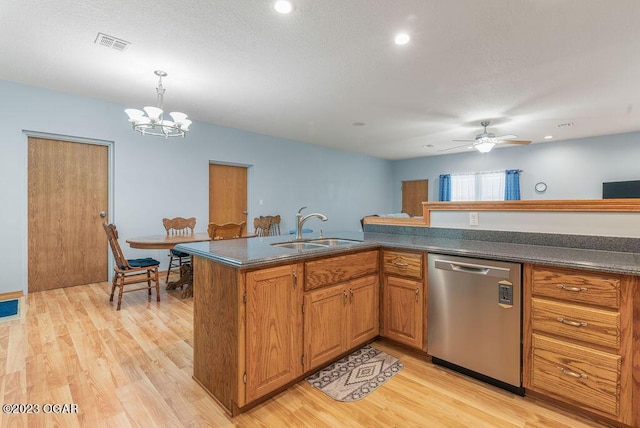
(480,186)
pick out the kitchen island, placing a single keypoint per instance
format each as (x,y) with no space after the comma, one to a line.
(260,312)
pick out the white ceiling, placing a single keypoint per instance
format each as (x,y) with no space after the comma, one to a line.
(527,66)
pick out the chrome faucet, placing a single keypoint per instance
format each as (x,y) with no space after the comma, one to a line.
(302,220)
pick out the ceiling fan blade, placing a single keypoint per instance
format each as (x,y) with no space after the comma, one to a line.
(456,147)
(515,141)
(469,141)
(506,137)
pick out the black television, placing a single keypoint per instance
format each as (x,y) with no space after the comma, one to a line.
(621,189)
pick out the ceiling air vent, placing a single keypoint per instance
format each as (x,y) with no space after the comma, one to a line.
(111,42)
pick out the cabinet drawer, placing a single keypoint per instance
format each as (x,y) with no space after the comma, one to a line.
(403,264)
(332,270)
(595,326)
(583,287)
(586,377)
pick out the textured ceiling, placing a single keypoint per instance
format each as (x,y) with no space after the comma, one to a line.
(525,65)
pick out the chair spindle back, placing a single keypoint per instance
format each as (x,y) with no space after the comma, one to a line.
(179,225)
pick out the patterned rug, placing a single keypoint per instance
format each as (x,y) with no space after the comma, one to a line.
(356,375)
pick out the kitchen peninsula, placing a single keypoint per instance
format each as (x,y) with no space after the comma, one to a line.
(261,324)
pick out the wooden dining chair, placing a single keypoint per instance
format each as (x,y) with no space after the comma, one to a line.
(178,226)
(274,224)
(262,226)
(131,271)
(225,231)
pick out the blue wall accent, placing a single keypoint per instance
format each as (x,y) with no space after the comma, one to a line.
(284,174)
(572,169)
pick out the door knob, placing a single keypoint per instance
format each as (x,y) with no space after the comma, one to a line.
(103,214)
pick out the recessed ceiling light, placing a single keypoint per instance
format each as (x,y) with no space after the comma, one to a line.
(402,39)
(548,137)
(283,6)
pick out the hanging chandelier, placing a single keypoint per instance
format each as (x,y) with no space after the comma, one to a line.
(153,123)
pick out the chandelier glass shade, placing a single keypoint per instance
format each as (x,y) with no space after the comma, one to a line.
(485,144)
(151,120)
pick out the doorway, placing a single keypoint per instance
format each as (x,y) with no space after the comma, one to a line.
(68,190)
(227,194)
(414,193)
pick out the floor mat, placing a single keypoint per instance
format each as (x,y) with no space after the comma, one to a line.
(356,375)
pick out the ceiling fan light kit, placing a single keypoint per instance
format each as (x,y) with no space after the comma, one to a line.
(485,141)
(154,123)
(484,145)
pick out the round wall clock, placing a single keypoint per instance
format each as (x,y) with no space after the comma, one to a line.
(541,187)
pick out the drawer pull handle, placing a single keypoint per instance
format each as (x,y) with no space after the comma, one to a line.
(572,373)
(574,289)
(573,323)
(400,264)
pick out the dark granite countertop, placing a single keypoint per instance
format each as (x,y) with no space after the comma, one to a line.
(258,252)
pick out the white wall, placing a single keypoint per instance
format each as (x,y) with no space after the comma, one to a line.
(572,169)
(284,174)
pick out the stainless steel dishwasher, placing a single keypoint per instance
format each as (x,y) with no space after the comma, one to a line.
(474,318)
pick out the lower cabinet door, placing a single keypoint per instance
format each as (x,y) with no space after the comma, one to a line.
(403,310)
(273,326)
(324,325)
(363,311)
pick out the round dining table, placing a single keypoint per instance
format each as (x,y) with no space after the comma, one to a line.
(160,242)
(168,241)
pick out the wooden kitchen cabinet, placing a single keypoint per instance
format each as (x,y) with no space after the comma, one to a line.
(339,318)
(273,329)
(403,298)
(578,340)
(247,330)
(324,325)
(332,270)
(363,315)
(341,306)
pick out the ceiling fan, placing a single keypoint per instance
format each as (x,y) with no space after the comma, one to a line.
(485,141)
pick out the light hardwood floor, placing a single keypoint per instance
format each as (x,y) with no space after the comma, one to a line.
(134,367)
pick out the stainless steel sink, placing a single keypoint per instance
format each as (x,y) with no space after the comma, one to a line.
(330,242)
(298,245)
(314,243)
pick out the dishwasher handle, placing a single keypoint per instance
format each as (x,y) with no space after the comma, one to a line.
(471,268)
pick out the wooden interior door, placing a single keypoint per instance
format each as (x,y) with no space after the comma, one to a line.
(414,193)
(227,194)
(67,191)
